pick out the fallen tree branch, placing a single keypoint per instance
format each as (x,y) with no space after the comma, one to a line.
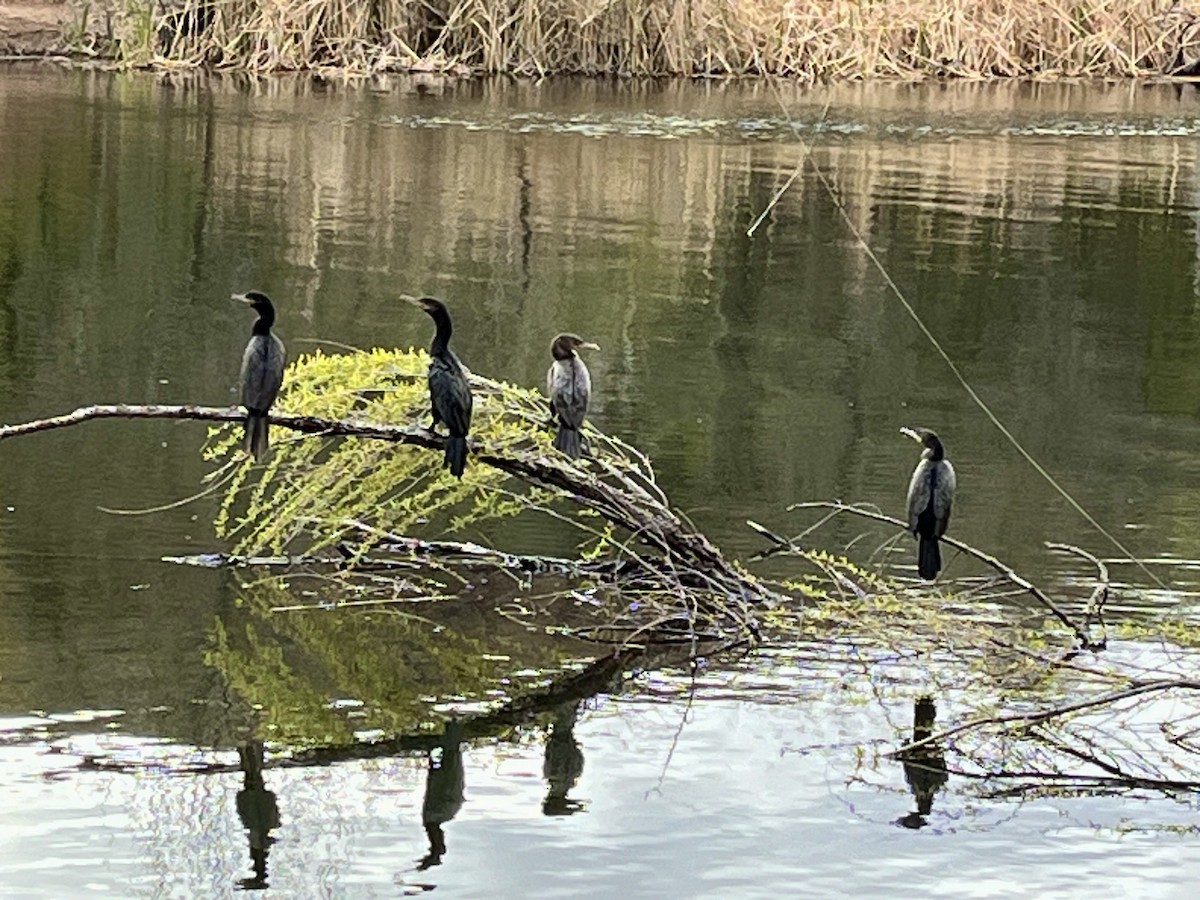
(469,553)
(637,511)
(1080,634)
(308,424)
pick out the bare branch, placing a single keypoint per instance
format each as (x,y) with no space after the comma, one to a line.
(1095,604)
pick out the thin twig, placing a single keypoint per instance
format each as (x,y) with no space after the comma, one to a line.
(1053,712)
(1095,604)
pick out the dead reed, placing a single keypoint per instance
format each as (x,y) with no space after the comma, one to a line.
(805,39)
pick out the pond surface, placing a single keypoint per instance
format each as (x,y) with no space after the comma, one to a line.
(1046,234)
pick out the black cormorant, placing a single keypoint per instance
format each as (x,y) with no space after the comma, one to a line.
(930,496)
(570,388)
(262,372)
(449,394)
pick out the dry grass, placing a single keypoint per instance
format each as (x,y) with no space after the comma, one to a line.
(808,39)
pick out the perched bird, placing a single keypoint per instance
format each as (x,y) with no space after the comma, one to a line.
(930,496)
(449,394)
(570,388)
(262,372)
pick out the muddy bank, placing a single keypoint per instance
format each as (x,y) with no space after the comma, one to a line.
(35,27)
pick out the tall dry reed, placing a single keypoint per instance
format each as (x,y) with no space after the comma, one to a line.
(808,39)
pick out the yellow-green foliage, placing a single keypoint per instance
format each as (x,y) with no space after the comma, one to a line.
(1173,629)
(314,491)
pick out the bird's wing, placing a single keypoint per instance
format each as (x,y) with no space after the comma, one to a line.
(918,493)
(450,394)
(249,355)
(262,371)
(570,388)
(583,387)
(943,497)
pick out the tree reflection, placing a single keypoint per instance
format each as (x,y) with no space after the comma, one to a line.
(259,813)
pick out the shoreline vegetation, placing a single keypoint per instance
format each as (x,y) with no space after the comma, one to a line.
(808,40)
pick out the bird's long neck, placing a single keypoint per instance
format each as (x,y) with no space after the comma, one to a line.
(441,337)
(266,318)
(935,452)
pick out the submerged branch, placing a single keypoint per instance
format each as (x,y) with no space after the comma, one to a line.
(409,552)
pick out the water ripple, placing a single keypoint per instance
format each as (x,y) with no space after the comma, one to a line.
(672,127)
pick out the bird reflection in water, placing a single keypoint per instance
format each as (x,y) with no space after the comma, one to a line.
(259,813)
(443,792)
(563,764)
(924,767)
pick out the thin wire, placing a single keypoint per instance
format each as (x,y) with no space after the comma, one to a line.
(1037,467)
(807,145)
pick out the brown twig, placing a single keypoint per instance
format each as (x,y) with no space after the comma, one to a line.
(1095,603)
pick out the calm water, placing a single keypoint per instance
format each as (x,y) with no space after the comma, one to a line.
(1046,234)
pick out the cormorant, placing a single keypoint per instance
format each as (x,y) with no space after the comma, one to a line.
(262,372)
(930,496)
(449,394)
(570,387)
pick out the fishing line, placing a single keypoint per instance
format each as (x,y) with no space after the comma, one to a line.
(226,477)
(806,158)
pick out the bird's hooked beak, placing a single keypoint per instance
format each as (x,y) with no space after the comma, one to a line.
(241,298)
(588,345)
(420,303)
(913,433)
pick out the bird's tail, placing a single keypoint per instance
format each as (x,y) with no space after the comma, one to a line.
(255,440)
(456,455)
(929,557)
(569,441)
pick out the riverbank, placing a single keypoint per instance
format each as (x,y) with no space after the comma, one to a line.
(35,27)
(804,39)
